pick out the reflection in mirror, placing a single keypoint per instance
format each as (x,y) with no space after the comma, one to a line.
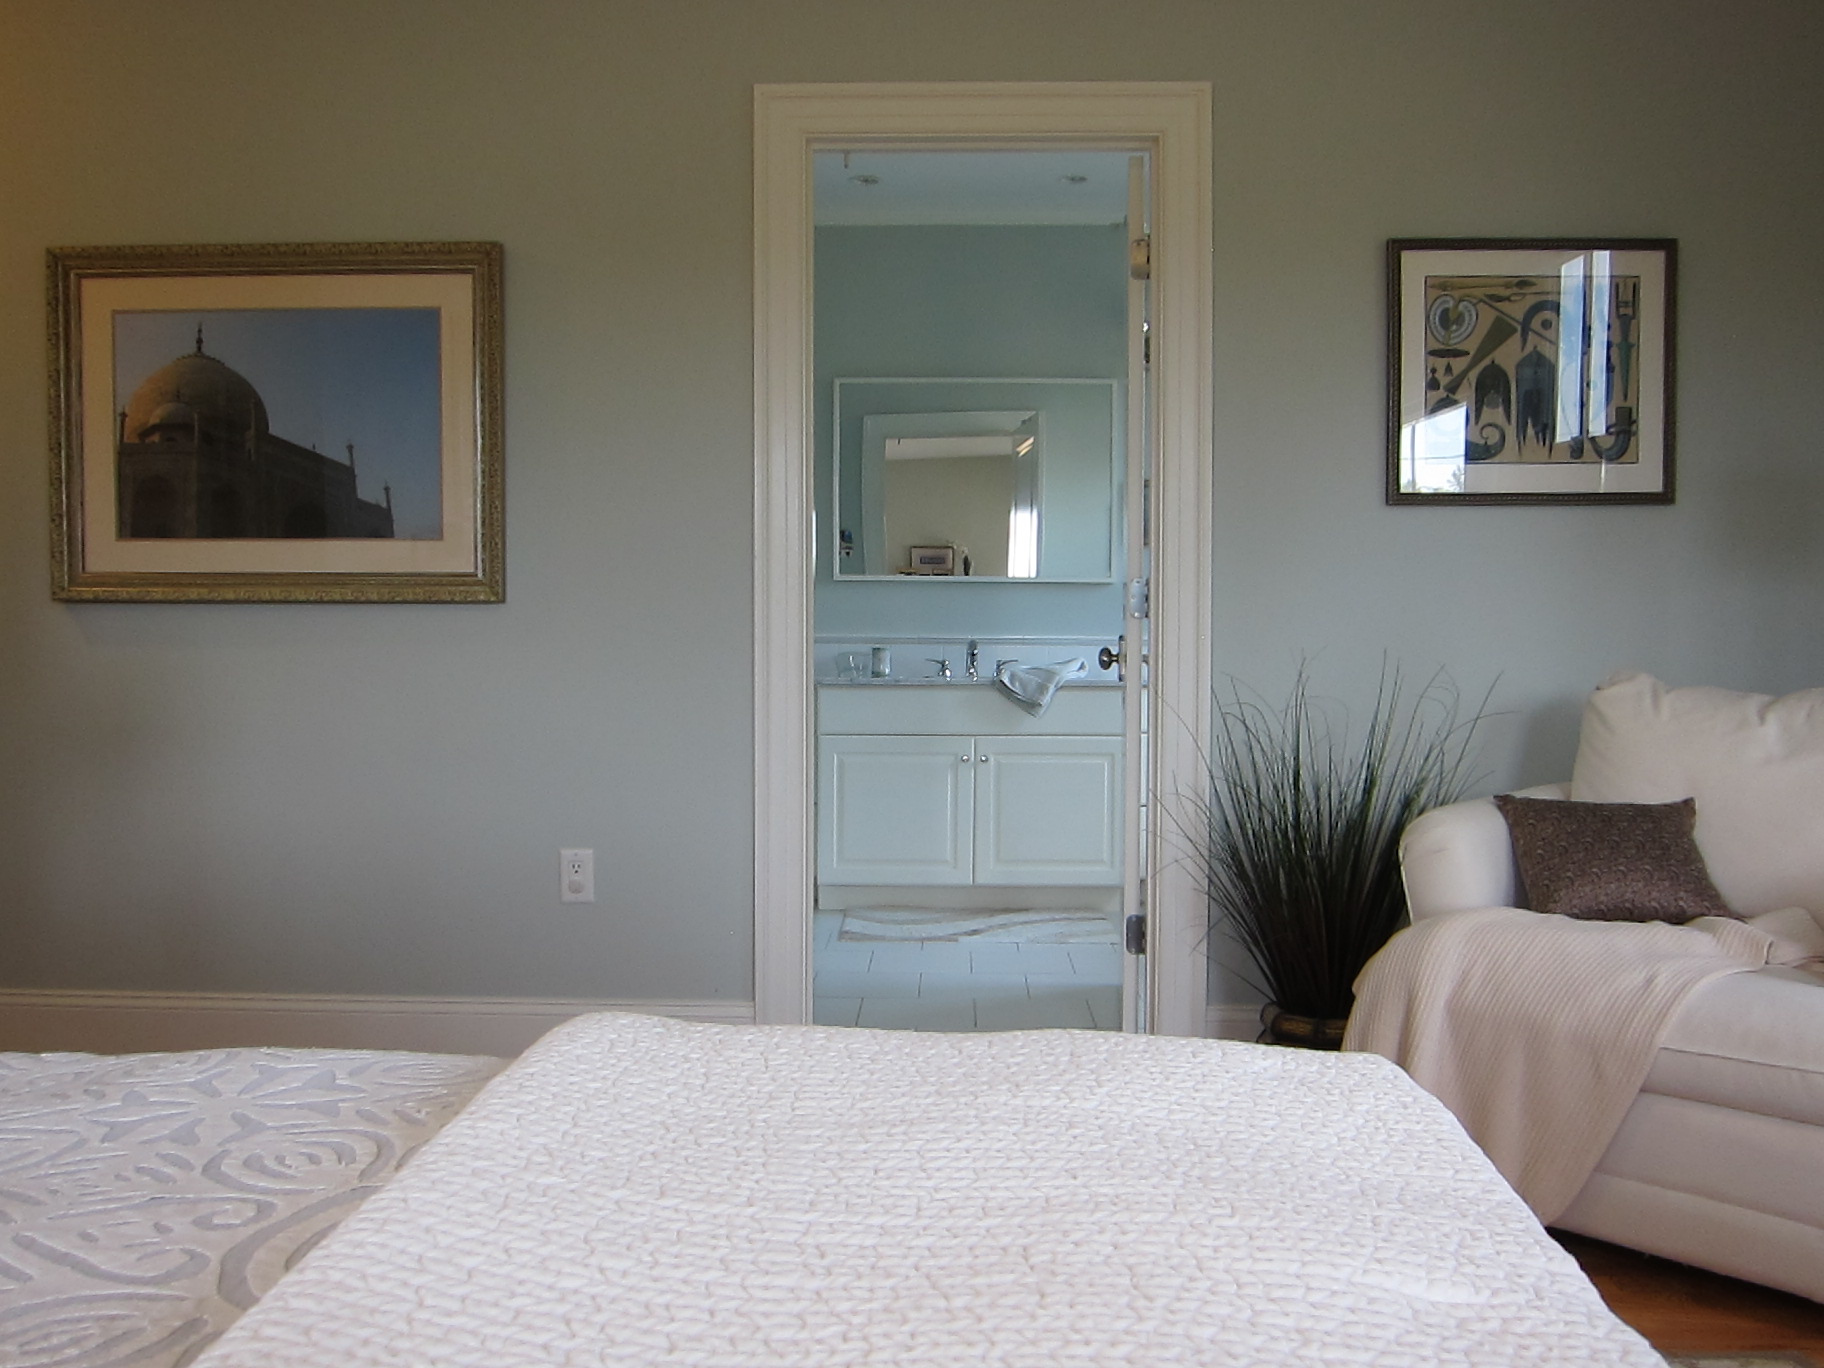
(1026,489)
(961,481)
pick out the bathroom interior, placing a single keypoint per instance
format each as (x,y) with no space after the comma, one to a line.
(973,338)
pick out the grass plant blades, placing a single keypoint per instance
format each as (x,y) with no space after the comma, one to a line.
(1296,835)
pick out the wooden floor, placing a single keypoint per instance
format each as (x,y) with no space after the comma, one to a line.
(1684,1310)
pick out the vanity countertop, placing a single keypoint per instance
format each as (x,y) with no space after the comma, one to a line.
(957,707)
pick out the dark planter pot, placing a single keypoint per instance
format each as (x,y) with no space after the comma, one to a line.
(1310,1033)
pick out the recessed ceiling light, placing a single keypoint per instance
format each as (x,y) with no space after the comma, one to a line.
(865,179)
(1074,178)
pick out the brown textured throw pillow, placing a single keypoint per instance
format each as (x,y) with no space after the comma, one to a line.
(1611,861)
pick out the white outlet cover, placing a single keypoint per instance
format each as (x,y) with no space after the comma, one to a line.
(576,873)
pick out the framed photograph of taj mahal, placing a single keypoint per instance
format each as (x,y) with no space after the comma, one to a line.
(316,422)
(1530,371)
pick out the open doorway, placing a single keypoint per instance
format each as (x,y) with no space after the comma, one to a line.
(801,637)
(977,341)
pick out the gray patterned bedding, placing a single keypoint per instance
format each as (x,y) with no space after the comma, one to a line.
(643,1193)
(147,1200)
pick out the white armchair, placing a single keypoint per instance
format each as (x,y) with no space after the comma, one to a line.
(1720,1160)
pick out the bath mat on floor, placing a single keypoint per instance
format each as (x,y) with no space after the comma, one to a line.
(1035,926)
(1780,1359)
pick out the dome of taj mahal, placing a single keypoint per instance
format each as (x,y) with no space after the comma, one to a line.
(173,414)
(198,385)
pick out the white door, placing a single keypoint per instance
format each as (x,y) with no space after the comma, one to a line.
(1136,809)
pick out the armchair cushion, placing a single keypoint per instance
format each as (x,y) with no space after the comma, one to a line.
(1610,861)
(1754,763)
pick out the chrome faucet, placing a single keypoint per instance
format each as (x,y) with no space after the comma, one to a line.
(943,665)
(975,656)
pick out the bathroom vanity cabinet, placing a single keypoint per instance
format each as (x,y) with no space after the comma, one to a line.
(1009,801)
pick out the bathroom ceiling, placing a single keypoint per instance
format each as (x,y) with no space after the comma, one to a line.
(873,187)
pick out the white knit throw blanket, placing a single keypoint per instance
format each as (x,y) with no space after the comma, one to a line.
(1537,1031)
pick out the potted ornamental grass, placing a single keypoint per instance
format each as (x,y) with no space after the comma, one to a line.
(1296,834)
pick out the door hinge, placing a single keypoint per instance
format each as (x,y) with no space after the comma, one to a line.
(1140,258)
(1139,598)
(1136,934)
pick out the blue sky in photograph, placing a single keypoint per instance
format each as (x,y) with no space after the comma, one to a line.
(329,377)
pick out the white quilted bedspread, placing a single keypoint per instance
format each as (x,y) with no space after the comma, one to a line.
(640,1191)
(147,1200)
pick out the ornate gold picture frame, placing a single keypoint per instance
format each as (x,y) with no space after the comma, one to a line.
(315,422)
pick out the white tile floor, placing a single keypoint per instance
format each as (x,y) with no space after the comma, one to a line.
(960,986)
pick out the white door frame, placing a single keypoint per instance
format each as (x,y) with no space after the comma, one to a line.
(1170,121)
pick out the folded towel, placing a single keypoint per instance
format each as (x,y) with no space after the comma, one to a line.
(1031,686)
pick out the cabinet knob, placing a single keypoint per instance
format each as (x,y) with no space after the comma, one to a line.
(982,758)
(963,758)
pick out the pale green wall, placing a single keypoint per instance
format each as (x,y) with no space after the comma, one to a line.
(370,799)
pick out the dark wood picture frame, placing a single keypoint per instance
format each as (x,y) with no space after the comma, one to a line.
(1530,370)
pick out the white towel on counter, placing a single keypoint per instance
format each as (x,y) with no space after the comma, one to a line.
(1031,686)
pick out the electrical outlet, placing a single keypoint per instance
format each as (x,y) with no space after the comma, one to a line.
(578,873)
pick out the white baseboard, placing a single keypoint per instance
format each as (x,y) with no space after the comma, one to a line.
(124,1022)
(1232,1020)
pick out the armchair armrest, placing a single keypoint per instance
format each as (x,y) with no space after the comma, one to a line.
(1457,857)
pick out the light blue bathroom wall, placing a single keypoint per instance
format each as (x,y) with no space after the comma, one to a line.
(961,301)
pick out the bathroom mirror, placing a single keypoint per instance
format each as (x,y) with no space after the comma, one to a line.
(980,478)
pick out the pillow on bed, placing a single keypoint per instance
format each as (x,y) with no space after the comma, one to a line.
(1611,861)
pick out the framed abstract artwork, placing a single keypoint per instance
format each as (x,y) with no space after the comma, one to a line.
(1530,370)
(316,422)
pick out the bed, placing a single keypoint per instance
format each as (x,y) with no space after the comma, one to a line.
(147,1200)
(642,1191)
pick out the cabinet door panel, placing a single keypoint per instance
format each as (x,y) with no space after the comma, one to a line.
(894,809)
(1048,810)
